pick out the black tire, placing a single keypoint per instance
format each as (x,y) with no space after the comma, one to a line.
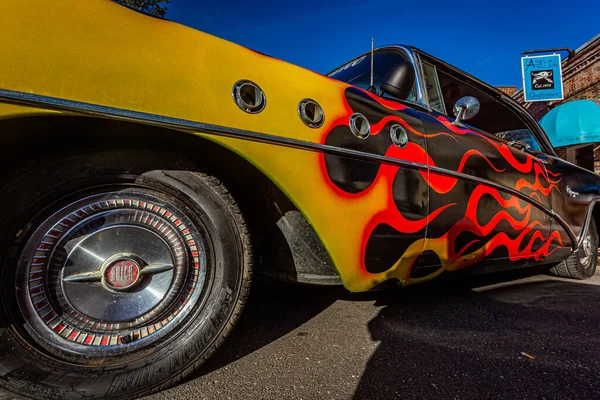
(32,369)
(572,266)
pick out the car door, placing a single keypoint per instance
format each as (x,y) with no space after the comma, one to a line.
(501,198)
(497,195)
(577,189)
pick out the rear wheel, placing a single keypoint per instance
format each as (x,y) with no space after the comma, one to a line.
(582,263)
(120,276)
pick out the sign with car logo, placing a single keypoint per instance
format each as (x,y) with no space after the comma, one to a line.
(542,78)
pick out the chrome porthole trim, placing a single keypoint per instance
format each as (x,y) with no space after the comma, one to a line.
(71,299)
(249,97)
(359,126)
(311,113)
(398,135)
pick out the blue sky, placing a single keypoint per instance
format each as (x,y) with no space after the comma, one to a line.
(484,38)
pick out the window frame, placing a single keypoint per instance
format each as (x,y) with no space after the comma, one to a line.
(416,57)
(437,85)
(523,115)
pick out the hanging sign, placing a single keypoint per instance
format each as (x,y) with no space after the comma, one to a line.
(542,78)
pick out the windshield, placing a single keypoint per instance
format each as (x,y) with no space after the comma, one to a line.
(358,72)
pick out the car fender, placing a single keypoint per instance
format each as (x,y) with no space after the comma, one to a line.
(99,58)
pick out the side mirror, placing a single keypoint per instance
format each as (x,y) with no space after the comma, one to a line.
(399,81)
(465,108)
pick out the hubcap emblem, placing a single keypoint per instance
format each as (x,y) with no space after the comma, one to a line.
(121,274)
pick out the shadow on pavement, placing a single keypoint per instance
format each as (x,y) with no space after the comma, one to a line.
(273,310)
(458,339)
(451,341)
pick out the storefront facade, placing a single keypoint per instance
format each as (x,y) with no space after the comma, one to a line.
(581,81)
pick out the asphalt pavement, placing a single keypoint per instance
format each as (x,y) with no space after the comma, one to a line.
(500,337)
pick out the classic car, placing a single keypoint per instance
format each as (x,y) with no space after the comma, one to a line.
(149,167)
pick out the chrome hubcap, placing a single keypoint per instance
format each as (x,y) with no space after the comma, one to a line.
(110,273)
(586,252)
(96,269)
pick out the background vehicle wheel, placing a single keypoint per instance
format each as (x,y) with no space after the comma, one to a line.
(582,263)
(120,275)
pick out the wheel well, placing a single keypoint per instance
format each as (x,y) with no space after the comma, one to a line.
(29,141)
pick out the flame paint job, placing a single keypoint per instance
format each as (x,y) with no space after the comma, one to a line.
(376,220)
(436,221)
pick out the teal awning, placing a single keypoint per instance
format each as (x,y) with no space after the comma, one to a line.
(575,122)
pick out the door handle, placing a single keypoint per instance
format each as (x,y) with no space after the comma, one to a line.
(517,144)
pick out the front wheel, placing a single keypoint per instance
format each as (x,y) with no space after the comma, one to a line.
(582,263)
(119,278)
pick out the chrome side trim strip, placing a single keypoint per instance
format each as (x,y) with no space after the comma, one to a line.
(183,124)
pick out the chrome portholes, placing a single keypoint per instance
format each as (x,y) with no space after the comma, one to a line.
(398,135)
(311,113)
(249,97)
(110,273)
(359,126)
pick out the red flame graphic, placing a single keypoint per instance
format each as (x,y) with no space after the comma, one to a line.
(528,231)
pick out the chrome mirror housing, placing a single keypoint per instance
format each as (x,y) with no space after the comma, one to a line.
(465,108)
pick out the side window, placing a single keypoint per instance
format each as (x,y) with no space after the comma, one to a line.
(521,135)
(434,91)
(358,72)
(495,117)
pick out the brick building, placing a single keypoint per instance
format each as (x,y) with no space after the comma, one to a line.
(581,80)
(509,90)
